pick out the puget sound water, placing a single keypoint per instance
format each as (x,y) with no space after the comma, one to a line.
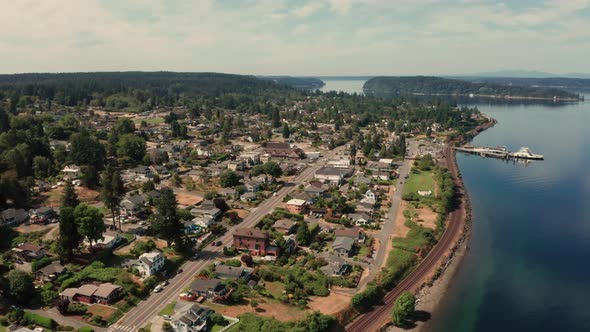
(528,264)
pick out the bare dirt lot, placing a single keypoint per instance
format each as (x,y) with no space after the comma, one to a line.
(274,309)
(331,304)
(188,198)
(52,198)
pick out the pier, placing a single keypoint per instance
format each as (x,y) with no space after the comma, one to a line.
(500,152)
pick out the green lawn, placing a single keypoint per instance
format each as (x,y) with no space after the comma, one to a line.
(169,309)
(153,121)
(364,251)
(216,328)
(421,181)
(274,288)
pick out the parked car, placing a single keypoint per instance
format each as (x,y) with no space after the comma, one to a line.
(167,317)
(164,283)
(179,271)
(158,289)
(218,243)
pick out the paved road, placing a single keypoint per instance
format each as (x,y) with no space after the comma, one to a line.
(149,308)
(387,228)
(380,314)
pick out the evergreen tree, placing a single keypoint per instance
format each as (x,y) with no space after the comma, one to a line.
(303,235)
(286,130)
(166,222)
(69,237)
(112,192)
(276,118)
(69,197)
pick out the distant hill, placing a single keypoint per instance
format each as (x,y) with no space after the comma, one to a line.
(565,83)
(429,85)
(296,82)
(521,74)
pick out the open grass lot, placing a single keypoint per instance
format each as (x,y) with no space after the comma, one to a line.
(419,181)
(275,288)
(150,121)
(101,310)
(169,309)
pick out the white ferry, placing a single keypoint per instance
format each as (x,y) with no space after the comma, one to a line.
(525,153)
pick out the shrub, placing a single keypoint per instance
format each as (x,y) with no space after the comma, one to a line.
(233,262)
(218,319)
(85,329)
(76,309)
(32,318)
(40,263)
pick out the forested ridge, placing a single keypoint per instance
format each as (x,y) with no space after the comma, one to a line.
(430,85)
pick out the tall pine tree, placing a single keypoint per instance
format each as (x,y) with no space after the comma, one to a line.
(69,198)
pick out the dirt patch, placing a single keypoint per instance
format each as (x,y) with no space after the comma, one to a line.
(329,305)
(101,310)
(426,217)
(400,229)
(52,198)
(187,198)
(241,212)
(273,309)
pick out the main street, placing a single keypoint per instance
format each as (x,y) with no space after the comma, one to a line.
(150,307)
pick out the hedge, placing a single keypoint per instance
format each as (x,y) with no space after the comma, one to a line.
(33,318)
(85,329)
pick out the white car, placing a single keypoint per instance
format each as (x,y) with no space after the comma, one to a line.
(158,289)
(167,317)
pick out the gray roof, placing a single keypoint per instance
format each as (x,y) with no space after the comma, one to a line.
(341,242)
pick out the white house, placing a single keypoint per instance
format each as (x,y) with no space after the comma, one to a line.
(150,263)
(71,171)
(369,197)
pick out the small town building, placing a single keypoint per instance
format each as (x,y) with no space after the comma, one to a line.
(285,226)
(50,272)
(254,240)
(28,251)
(209,288)
(296,206)
(343,246)
(150,263)
(193,318)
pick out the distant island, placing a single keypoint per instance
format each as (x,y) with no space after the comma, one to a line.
(387,86)
(296,82)
(562,83)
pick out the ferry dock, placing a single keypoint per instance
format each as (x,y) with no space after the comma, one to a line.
(500,152)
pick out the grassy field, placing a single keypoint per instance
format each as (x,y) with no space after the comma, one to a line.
(275,288)
(420,181)
(151,121)
(168,309)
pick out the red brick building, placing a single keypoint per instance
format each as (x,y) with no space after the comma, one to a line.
(254,240)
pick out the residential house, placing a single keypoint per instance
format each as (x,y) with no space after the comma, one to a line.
(315,190)
(355,233)
(132,205)
(361,179)
(291,243)
(29,251)
(254,240)
(248,197)
(232,272)
(283,150)
(150,263)
(284,226)
(192,319)
(13,217)
(230,193)
(89,293)
(252,186)
(343,246)
(296,205)
(251,158)
(139,172)
(359,218)
(236,165)
(71,172)
(50,272)
(209,289)
(109,240)
(337,266)
(339,163)
(369,197)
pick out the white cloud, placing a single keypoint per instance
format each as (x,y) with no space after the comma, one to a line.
(340,7)
(308,9)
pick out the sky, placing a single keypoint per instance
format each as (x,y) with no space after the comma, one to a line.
(303,37)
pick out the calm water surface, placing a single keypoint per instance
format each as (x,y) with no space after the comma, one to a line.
(348,85)
(527,269)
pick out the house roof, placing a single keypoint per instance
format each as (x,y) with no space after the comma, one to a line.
(284,224)
(341,242)
(52,268)
(231,271)
(205,285)
(251,232)
(296,202)
(105,290)
(353,232)
(30,247)
(87,290)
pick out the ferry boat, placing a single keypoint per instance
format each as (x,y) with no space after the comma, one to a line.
(525,153)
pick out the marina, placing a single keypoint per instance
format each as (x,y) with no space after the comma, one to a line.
(501,152)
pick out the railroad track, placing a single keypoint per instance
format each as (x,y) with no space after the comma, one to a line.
(380,315)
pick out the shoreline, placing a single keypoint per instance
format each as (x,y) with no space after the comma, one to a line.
(436,267)
(431,295)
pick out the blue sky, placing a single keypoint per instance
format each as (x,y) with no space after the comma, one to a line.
(304,37)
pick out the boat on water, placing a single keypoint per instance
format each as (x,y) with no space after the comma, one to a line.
(525,153)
